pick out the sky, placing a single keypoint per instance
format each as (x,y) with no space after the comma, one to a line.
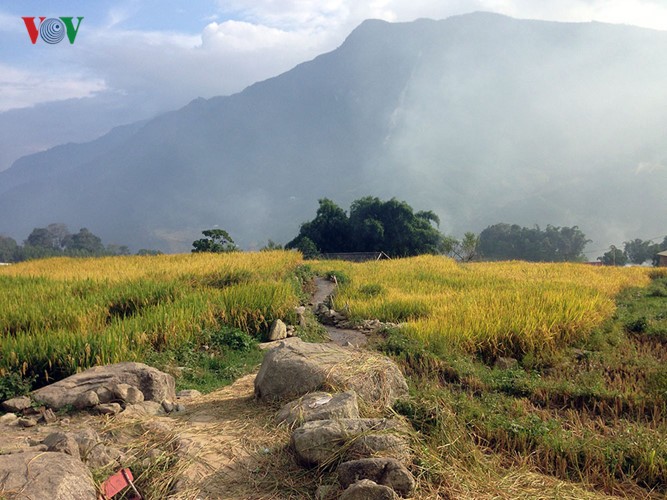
(134,59)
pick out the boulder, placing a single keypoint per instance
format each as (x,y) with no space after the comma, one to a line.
(18,404)
(322,442)
(55,476)
(386,471)
(154,384)
(278,331)
(296,368)
(319,406)
(368,490)
(8,418)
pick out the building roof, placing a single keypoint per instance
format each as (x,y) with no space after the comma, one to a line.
(663,254)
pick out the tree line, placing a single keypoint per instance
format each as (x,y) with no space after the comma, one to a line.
(56,240)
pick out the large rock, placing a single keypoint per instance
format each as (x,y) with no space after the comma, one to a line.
(323,442)
(154,384)
(385,471)
(319,406)
(51,475)
(368,490)
(298,367)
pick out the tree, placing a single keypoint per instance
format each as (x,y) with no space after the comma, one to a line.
(658,247)
(464,250)
(372,226)
(215,241)
(8,249)
(638,251)
(113,249)
(554,244)
(271,245)
(329,231)
(614,257)
(148,251)
(83,243)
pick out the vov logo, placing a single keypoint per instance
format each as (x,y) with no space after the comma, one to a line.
(53,29)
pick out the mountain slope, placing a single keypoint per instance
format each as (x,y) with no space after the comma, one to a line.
(481,117)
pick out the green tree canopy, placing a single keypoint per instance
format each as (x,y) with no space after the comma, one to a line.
(215,241)
(513,242)
(614,257)
(373,225)
(8,249)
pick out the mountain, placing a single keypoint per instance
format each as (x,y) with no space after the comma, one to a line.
(480,117)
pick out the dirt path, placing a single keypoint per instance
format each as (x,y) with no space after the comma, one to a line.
(343,337)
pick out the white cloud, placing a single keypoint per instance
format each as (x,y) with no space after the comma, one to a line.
(21,88)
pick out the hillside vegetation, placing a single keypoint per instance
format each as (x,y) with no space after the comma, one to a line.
(515,368)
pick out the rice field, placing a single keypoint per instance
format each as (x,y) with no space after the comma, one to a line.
(59,315)
(494,308)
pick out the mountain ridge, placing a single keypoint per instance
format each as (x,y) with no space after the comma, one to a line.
(480,117)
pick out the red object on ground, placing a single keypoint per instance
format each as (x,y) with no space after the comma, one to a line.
(117,483)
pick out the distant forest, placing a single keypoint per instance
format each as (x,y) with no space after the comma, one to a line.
(372,225)
(56,240)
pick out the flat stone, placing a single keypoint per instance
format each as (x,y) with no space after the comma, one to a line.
(8,418)
(319,406)
(153,384)
(188,393)
(506,363)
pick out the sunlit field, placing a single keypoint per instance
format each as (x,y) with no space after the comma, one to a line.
(498,308)
(59,315)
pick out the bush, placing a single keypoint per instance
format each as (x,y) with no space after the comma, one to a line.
(232,339)
(12,385)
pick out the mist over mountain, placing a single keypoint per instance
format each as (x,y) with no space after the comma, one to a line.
(481,118)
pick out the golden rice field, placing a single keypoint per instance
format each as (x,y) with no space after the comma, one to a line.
(58,315)
(61,314)
(493,307)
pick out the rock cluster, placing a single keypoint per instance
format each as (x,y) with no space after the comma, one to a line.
(329,316)
(57,466)
(328,381)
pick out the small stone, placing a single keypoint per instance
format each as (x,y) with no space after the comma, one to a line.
(278,330)
(86,400)
(385,471)
(326,491)
(188,393)
(180,407)
(27,422)
(108,408)
(47,416)
(368,490)
(168,406)
(506,363)
(18,404)
(63,443)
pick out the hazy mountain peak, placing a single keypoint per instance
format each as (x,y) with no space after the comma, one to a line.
(480,117)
